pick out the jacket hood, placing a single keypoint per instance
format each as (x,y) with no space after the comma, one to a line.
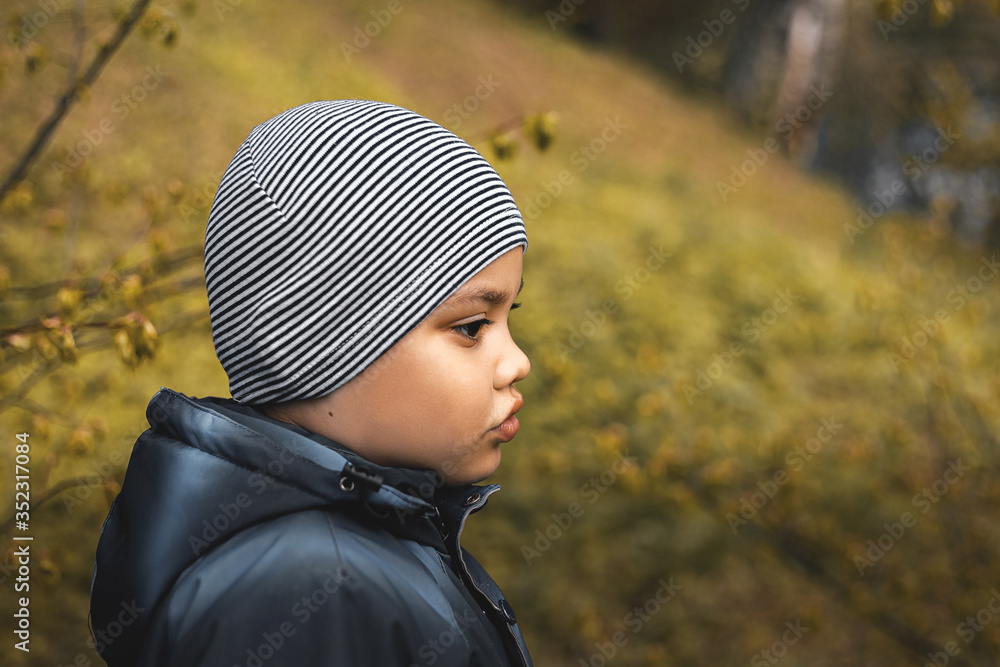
(211,467)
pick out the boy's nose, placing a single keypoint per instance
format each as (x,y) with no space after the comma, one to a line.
(513,366)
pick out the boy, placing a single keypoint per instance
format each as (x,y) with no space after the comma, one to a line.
(361,262)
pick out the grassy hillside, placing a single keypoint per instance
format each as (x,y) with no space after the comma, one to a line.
(689,353)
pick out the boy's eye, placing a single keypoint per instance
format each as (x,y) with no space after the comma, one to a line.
(472,329)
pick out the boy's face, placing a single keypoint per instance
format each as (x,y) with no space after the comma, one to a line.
(443,397)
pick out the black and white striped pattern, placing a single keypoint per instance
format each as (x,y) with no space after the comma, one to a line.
(337,228)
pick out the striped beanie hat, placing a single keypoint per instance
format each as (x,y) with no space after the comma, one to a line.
(337,228)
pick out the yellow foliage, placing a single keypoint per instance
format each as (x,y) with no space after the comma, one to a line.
(649,405)
(504,146)
(720,472)
(626,390)
(632,479)
(111,489)
(666,455)
(132,290)
(680,495)
(175,188)
(44,346)
(135,339)
(19,199)
(67,345)
(81,442)
(55,219)
(6,284)
(151,199)
(99,427)
(942,12)
(888,8)
(36,57)
(68,299)
(159,243)
(611,440)
(125,348)
(48,571)
(540,129)
(41,426)
(605,390)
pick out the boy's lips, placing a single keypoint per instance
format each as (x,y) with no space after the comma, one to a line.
(507,429)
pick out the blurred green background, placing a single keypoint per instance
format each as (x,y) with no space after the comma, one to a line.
(761,299)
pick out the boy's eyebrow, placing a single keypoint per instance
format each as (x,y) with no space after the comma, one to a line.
(490,296)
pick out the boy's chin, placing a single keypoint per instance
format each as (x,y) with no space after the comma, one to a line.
(472,472)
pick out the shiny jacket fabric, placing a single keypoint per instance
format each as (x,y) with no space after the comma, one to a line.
(239,540)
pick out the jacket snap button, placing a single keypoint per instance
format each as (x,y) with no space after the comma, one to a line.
(507,611)
(472,500)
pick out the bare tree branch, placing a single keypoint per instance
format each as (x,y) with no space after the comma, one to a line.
(71,95)
(16,396)
(29,382)
(52,493)
(165,264)
(79,38)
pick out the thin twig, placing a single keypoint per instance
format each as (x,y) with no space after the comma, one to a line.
(181,321)
(13,398)
(79,38)
(51,494)
(34,407)
(71,95)
(165,265)
(26,386)
(505,126)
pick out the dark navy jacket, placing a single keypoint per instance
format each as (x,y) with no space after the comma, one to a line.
(239,540)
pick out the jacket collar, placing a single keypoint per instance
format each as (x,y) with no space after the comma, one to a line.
(408,501)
